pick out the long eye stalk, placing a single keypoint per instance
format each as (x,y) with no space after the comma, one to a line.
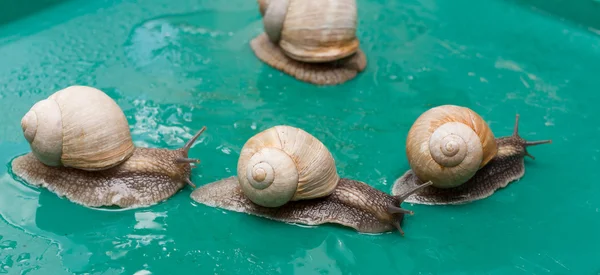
(392,209)
(190,161)
(532,143)
(189,144)
(412,191)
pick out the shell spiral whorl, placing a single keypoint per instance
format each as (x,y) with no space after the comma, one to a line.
(455,143)
(448,144)
(284,164)
(271,178)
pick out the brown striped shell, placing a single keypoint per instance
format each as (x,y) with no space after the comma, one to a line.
(312,30)
(448,144)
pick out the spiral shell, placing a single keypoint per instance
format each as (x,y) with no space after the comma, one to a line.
(312,30)
(448,144)
(284,163)
(79,127)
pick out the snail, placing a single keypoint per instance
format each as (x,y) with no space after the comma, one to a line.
(455,149)
(81,148)
(287,175)
(312,40)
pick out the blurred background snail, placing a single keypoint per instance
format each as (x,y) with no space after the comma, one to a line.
(455,149)
(286,174)
(82,149)
(312,40)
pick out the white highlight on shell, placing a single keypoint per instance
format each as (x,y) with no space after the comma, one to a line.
(451,143)
(271,177)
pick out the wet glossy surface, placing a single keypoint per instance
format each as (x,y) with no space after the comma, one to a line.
(175,66)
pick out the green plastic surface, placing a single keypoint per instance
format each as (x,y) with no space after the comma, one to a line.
(175,66)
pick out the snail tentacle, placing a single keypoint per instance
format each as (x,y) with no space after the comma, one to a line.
(415,189)
(397,210)
(532,143)
(398,227)
(190,182)
(186,149)
(187,160)
(527,143)
(190,161)
(191,142)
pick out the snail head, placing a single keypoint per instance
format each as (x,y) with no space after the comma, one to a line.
(397,212)
(184,157)
(515,144)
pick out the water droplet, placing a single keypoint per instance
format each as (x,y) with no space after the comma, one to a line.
(23,257)
(8,244)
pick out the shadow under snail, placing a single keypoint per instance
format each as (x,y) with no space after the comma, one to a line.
(285,174)
(455,149)
(312,40)
(82,149)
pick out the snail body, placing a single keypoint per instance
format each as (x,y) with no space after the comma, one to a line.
(287,175)
(455,149)
(311,40)
(81,148)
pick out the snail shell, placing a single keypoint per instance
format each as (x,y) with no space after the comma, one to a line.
(79,127)
(285,163)
(448,144)
(312,30)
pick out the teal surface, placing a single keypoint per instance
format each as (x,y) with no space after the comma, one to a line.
(175,66)
(15,9)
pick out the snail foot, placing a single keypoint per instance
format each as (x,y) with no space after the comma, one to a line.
(99,189)
(330,73)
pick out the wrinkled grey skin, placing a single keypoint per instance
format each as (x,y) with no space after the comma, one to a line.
(352,204)
(507,166)
(146,178)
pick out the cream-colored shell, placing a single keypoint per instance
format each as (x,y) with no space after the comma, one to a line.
(79,127)
(312,30)
(448,144)
(285,163)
